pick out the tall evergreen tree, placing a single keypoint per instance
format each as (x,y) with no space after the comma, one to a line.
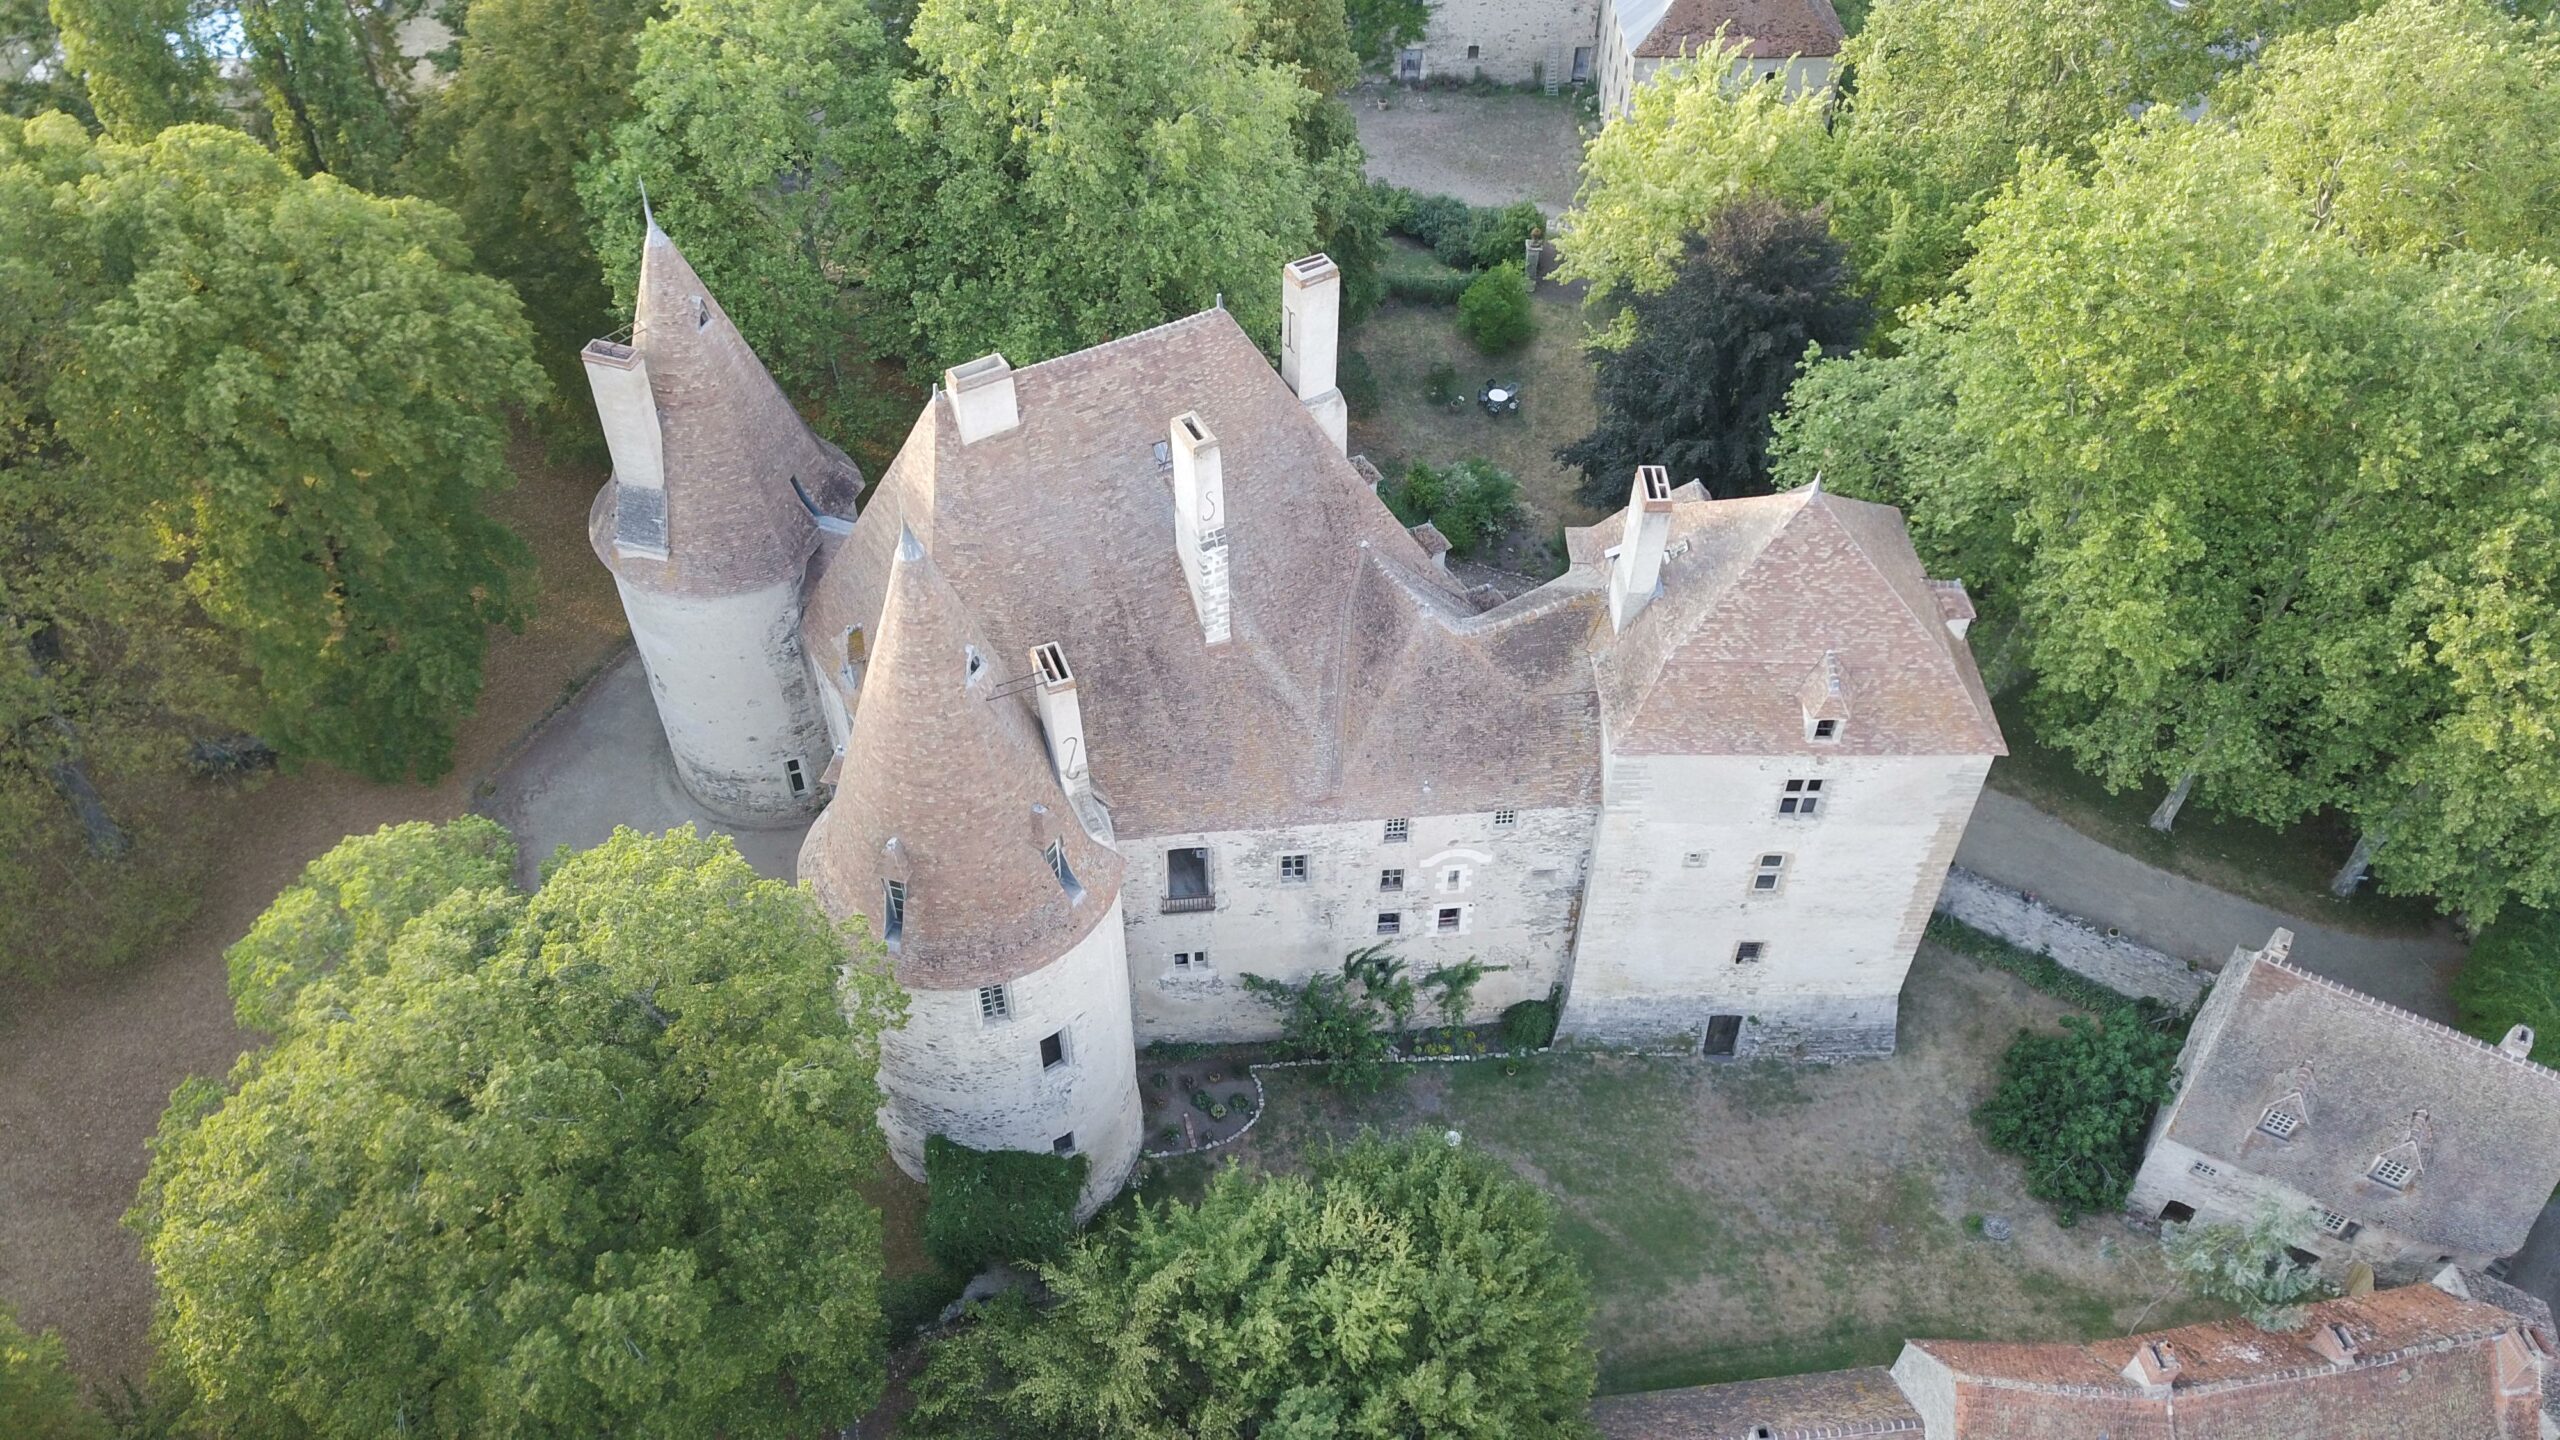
(1711,357)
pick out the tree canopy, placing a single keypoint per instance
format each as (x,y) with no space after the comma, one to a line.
(1401,1289)
(2075,1107)
(568,1163)
(2255,453)
(2512,976)
(1709,359)
(38,1396)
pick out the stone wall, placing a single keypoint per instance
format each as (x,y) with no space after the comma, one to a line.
(735,698)
(2224,1193)
(952,1071)
(1672,899)
(2125,966)
(1515,889)
(1511,38)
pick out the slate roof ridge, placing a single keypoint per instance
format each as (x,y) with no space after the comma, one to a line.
(1091,353)
(2410,1017)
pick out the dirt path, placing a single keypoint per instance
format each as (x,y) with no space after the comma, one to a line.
(86,1068)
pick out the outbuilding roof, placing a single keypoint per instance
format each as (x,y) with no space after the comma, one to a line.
(1833,1405)
(1767,29)
(2478,1128)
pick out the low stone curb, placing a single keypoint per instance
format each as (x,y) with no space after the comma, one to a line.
(2120,964)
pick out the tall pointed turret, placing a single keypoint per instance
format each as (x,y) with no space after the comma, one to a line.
(719,497)
(952,837)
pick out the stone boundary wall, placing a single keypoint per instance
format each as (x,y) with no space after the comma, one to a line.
(2120,964)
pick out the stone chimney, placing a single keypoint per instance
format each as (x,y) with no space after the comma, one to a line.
(1637,570)
(1954,605)
(1062,718)
(2519,1042)
(982,398)
(2279,945)
(619,376)
(1200,521)
(1310,338)
(2154,1367)
(2334,1343)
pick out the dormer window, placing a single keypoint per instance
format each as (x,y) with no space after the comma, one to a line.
(857,648)
(1826,729)
(976,661)
(2393,1171)
(1058,867)
(2281,1120)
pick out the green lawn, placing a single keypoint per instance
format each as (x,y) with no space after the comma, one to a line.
(2287,869)
(1402,342)
(1764,1220)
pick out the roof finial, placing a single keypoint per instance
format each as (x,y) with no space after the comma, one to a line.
(910,549)
(648,219)
(1816,487)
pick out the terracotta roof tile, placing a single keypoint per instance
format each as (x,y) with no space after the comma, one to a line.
(1833,1406)
(1768,29)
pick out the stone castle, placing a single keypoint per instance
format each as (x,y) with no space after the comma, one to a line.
(1123,684)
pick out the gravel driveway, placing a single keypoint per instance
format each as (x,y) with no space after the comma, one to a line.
(1484,149)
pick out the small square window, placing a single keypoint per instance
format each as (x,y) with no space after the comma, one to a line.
(2280,1122)
(1475,52)
(2395,1173)
(1766,875)
(1053,1050)
(994,1003)
(1390,880)
(1399,831)
(1390,922)
(2201,1168)
(1826,729)
(1190,959)
(1749,952)
(1447,921)
(2333,1222)
(1801,797)
(893,911)
(1505,819)
(1293,868)
(1064,1144)
(1453,878)
(798,777)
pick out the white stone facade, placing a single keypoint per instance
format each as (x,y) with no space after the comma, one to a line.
(1513,42)
(1675,896)
(980,1080)
(1514,887)
(734,695)
(2180,1183)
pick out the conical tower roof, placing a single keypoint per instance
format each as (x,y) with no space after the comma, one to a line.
(744,473)
(947,788)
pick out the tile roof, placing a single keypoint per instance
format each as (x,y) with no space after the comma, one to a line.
(947,787)
(1360,682)
(732,443)
(2485,1125)
(1761,595)
(1767,29)
(2426,1363)
(1831,1406)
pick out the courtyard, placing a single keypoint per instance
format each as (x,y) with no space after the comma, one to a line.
(1486,149)
(1740,1221)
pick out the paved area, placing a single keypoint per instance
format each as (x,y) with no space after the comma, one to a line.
(601,762)
(1484,149)
(2022,847)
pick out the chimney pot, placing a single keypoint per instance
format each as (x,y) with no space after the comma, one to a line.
(982,400)
(2334,1343)
(2154,1365)
(2519,1042)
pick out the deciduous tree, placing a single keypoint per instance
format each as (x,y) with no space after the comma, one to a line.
(575,1162)
(2512,976)
(2074,1107)
(38,1397)
(2249,1265)
(146,64)
(1710,358)
(1400,1289)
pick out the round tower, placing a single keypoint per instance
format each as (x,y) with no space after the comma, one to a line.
(952,836)
(719,497)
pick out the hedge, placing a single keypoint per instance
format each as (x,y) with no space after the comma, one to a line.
(993,1207)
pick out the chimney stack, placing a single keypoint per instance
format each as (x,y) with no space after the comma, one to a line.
(619,376)
(2334,1343)
(1310,338)
(1200,521)
(1954,606)
(982,398)
(2519,1042)
(1637,570)
(1062,717)
(2154,1367)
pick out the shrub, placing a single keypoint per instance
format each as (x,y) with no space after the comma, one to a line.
(2074,1106)
(1494,313)
(988,1207)
(2512,976)
(1471,502)
(1359,385)
(2249,1266)
(1341,1019)
(1431,284)
(1440,387)
(1503,235)
(912,1303)
(1529,1025)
